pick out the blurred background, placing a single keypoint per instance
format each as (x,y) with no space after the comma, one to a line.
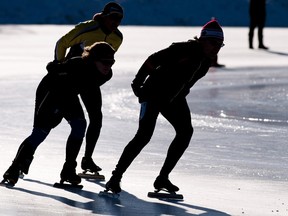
(141,12)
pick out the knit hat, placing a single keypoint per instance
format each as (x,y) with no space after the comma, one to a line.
(212,29)
(112,8)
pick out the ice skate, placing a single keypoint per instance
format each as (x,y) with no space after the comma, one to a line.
(68,174)
(164,184)
(20,164)
(112,187)
(11,176)
(90,169)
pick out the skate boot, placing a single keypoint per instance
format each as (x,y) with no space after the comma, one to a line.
(90,170)
(114,184)
(20,164)
(68,173)
(24,167)
(163,183)
(87,164)
(11,176)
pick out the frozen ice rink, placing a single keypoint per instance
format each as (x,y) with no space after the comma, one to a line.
(237,161)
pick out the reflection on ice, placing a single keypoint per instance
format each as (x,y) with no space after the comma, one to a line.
(265,120)
(257,95)
(222,114)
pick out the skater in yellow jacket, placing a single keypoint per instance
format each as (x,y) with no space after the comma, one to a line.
(103,27)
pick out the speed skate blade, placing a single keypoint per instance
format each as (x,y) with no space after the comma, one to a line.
(107,193)
(67,186)
(91,176)
(159,195)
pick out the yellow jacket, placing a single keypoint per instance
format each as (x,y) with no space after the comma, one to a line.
(85,34)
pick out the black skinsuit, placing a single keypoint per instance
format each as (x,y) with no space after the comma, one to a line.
(176,69)
(57,98)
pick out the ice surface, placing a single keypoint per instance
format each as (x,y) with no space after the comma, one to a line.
(236,163)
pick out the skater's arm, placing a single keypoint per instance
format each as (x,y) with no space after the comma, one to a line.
(149,66)
(141,76)
(73,37)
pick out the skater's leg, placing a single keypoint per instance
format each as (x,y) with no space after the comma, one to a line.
(73,146)
(37,136)
(148,116)
(184,130)
(92,135)
(24,156)
(74,114)
(147,121)
(95,121)
(75,139)
(45,118)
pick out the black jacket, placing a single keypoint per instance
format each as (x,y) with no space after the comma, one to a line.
(177,69)
(74,77)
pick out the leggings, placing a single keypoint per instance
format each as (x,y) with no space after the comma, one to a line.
(178,115)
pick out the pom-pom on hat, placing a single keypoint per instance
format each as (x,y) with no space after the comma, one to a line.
(212,29)
(112,8)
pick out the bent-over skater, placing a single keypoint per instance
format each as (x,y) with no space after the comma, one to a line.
(162,84)
(57,98)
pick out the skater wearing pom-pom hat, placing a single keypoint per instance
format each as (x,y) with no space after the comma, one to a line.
(161,85)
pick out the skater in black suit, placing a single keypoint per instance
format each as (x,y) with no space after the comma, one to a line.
(103,27)
(162,84)
(57,98)
(257,12)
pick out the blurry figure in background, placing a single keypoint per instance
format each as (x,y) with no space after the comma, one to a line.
(214,62)
(257,12)
(57,98)
(103,27)
(161,85)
